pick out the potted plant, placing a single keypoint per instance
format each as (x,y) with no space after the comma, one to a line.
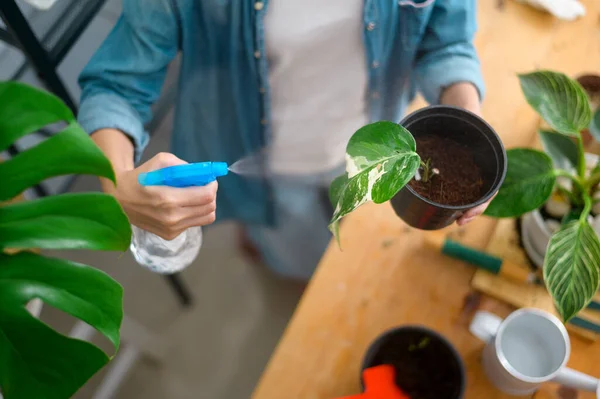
(35,360)
(591,85)
(561,178)
(435,165)
(538,226)
(426,364)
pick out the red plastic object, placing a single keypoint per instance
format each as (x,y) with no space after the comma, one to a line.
(380,384)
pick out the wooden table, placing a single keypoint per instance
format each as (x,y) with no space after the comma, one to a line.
(384,277)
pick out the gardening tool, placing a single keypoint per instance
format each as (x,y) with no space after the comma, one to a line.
(503,268)
(528,348)
(480,259)
(380,384)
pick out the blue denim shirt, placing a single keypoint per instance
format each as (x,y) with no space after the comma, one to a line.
(223,104)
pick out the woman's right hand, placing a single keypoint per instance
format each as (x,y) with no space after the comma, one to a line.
(161,210)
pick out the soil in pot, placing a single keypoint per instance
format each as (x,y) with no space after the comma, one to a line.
(459,182)
(425,366)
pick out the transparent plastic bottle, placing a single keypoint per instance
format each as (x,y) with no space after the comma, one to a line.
(163,256)
(170,256)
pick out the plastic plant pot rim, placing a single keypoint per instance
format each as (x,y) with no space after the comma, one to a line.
(378,342)
(497,183)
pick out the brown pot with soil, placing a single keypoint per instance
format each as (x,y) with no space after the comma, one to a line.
(464,165)
(426,365)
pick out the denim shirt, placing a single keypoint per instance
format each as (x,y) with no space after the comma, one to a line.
(223,105)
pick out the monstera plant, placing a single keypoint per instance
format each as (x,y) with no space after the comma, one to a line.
(35,360)
(572,262)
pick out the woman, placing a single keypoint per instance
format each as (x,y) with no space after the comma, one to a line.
(296,77)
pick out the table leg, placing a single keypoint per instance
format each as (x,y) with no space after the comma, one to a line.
(183,293)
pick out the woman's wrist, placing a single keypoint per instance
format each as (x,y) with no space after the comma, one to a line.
(119,150)
(464,95)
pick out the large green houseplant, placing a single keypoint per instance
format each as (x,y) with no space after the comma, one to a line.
(35,360)
(572,262)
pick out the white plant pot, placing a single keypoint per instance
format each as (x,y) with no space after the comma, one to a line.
(536,236)
(535,233)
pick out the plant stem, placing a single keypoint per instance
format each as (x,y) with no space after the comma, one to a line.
(586,209)
(581,154)
(574,179)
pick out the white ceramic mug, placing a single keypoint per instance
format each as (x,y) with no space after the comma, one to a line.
(524,350)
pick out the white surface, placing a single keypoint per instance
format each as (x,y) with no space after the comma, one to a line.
(568,10)
(41,4)
(485,325)
(318,79)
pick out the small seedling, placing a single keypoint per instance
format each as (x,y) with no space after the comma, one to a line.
(428,171)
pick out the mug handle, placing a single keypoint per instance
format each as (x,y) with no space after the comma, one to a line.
(485,325)
(578,380)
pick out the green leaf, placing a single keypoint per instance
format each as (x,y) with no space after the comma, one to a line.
(529,182)
(36,361)
(573,214)
(68,221)
(561,101)
(562,150)
(594,127)
(381,158)
(572,267)
(25,109)
(68,152)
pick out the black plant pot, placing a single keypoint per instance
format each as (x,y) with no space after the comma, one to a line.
(427,366)
(469,130)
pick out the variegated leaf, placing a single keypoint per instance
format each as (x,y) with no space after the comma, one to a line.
(572,267)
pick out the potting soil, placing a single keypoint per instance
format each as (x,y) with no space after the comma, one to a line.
(425,367)
(459,182)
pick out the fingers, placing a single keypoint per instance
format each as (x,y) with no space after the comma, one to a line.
(166,211)
(169,225)
(159,161)
(172,197)
(472,214)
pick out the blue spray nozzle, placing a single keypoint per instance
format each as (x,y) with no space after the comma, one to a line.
(191,174)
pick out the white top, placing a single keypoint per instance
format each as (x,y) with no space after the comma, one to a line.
(318,80)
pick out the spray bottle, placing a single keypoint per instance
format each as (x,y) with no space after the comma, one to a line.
(164,256)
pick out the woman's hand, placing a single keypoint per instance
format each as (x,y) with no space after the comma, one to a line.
(164,211)
(465,95)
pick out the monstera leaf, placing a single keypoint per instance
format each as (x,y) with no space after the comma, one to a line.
(529,181)
(572,267)
(381,158)
(560,100)
(36,361)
